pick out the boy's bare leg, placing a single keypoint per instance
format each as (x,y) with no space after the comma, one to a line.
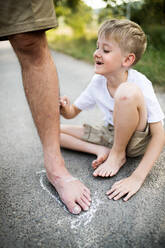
(130,114)
(41,89)
(71,138)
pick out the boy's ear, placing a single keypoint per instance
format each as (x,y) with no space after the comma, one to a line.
(129,59)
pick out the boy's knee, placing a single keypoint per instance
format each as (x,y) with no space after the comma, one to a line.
(29,44)
(127,93)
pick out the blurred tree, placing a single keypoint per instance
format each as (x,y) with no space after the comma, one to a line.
(152,12)
(104,14)
(144,12)
(75,13)
(123,8)
(79,19)
(67,3)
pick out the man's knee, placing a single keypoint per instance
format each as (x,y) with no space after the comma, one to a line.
(127,93)
(30,44)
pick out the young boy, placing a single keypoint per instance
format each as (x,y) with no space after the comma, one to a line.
(133,123)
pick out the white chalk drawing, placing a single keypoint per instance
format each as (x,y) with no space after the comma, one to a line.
(82,219)
(86,217)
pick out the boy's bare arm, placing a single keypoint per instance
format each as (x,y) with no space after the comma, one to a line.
(130,185)
(68,110)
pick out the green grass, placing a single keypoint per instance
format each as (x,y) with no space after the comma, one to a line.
(152,64)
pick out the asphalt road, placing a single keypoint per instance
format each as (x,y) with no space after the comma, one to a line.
(31,214)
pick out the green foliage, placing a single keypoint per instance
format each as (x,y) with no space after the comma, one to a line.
(152,65)
(117,11)
(105,13)
(153,12)
(156,35)
(78,19)
(143,12)
(67,3)
(120,9)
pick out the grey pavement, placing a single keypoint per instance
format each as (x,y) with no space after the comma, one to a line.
(31,214)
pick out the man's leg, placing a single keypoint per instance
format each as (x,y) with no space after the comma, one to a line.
(41,88)
(71,138)
(130,114)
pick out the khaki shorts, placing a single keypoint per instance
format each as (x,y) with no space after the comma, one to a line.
(104,136)
(20,16)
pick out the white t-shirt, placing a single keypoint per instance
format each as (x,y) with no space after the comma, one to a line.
(97,93)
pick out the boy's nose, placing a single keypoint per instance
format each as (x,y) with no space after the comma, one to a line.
(97,54)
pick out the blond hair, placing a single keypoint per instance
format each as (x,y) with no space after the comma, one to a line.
(127,34)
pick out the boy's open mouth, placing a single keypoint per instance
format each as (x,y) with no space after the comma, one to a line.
(99,63)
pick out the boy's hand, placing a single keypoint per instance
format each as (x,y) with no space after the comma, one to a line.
(127,186)
(64,103)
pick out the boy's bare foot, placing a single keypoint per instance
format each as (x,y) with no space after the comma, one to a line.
(72,192)
(102,155)
(111,166)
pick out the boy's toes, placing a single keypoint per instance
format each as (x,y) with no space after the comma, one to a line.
(108,174)
(97,162)
(113,173)
(97,172)
(94,164)
(102,172)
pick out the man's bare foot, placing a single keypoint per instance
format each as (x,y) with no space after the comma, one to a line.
(111,166)
(72,192)
(102,155)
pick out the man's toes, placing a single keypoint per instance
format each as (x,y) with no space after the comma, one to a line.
(86,201)
(86,194)
(83,203)
(73,208)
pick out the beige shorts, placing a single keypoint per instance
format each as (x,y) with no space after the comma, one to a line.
(104,136)
(20,16)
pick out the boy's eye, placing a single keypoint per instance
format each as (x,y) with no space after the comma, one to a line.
(106,51)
